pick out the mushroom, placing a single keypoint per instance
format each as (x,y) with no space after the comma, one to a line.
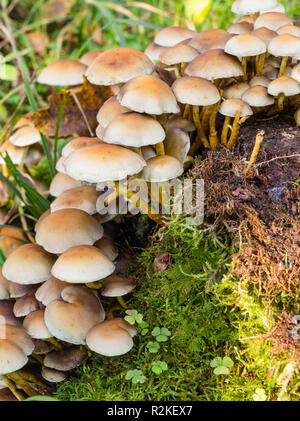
(265,34)
(259,80)
(154,50)
(110,109)
(272,20)
(117,286)
(62,182)
(162,168)
(4,287)
(90,56)
(289,29)
(211,39)
(63,73)
(50,291)
(53,376)
(282,87)
(25,136)
(177,144)
(178,55)
(236,90)
(258,97)
(249,7)
(233,108)
(172,35)
(78,143)
(66,359)
(284,46)
(26,305)
(240,28)
(7,316)
(83,197)
(107,246)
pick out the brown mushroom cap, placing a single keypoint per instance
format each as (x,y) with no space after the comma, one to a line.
(178,122)
(172,35)
(177,144)
(289,29)
(82,264)
(179,53)
(259,80)
(111,338)
(248,7)
(214,64)
(4,287)
(15,152)
(53,376)
(134,130)
(18,336)
(231,106)
(245,45)
(7,316)
(107,246)
(116,286)
(66,359)
(25,136)
(62,182)
(235,90)
(78,143)
(265,34)
(240,28)
(26,305)
(12,358)
(284,45)
(110,110)
(148,94)
(284,84)
(50,290)
(90,56)
(258,96)
(83,197)
(71,318)
(162,168)
(296,73)
(118,65)
(195,91)
(35,326)
(6,395)
(104,162)
(272,20)
(153,51)
(28,264)
(211,39)
(63,72)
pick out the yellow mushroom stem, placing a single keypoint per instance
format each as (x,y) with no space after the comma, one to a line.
(11,385)
(280,103)
(186,112)
(138,151)
(17,379)
(213,136)
(205,118)
(5,171)
(188,162)
(244,67)
(260,64)
(225,129)
(54,342)
(160,148)
(283,65)
(94,285)
(258,141)
(201,137)
(37,358)
(235,130)
(177,70)
(122,302)
(32,378)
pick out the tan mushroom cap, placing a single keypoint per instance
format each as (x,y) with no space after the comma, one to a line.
(15,153)
(195,91)
(66,359)
(284,45)
(289,29)
(18,290)
(12,358)
(53,376)
(270,72)
(26,305)
(60,165)
(28,264)
(116,286)
(110,110)
(236,90)
(177,144)
(63,72)
(245,45)
(98,163)
(178,122)
(210,39)
(248,7)
(179,53)
(4,287)
(296,73)
(111,338)
(118,65)
(18,336)
(153,51)
(62,182)
(284,84)
(34,324)
(42,347)
(90,56)
(71,318)
(265,34)
(148,152)
(240,28)
(25,136)
(78,143)
(272,20)
(148,94)
(259,80)
(7,316)
(83,197)
(67,228)
(214,64)
(50,290)
(278,8)
(99,131)
(162,168)
(231,106)
(135,130)
(82,264)
(107,246)
(172,35)
(258,97)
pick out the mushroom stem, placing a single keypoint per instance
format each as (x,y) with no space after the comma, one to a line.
(122,302)
(284,62)
(160,148)
(281,98)
(12,388)
(188,162)
(15,377)
(201,137)
(37,358)
(213,137)
(138,151)
(225,130)
(258,141)
(94,285)
(260,64)
(205,118)
(5,171)
(54,342)
(32,379)
(186,112)
(235,130)
(177,71)
(244,67)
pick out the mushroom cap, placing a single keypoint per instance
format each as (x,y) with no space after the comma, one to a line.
(42,347)
(240,28)
(245,45)
(12,358)
(214,64)
(116,286)
(272,20)
(284,45)
(66,359)
(26,305)
(148,152)
(17,336)
(258,96)
(53,376)
(195,91)
(289,29)
(178,122)
(270,72)
(62,182)
(25,136)
(248,7)
(90,56)
(35,326)
(231,106)
(50,290)
(28,264)
(118,65)
(179,53)
(78,143)
(67,228)
(148,94)
(109,111)
(15,152)
(259,80)
(177,144)
(103,163)
(99,131)
(82,264)
(4,287)
(153,51)
(7,316)
(162,168)
(284,84)
(63,72)
(111,338)
(172,35)
(107,246)
(296,73)
(210,39)
(71,318)
(83,197)
(265,34)
(235,90)
(135,130)
(18,290)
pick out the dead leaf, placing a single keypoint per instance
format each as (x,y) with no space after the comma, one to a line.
(243,194)
(38,41)
(162,262)
(57,8)
(90,97)
(11,238)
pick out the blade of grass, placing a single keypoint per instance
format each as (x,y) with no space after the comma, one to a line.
(59,117)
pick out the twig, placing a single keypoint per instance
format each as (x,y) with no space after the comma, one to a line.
(277,157)
(258,141)
(82,112)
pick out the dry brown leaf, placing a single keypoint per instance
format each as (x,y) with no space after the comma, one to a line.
(57,8)
(90,97)
(38,41)
(11,238)
(162,262)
